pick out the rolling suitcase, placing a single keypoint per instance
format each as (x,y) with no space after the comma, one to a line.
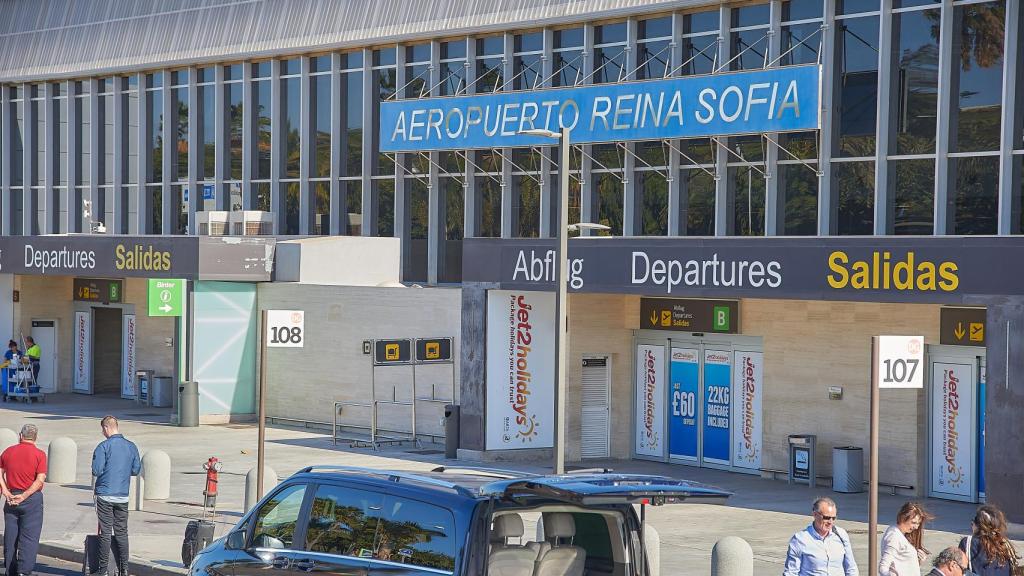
(91,561)
(198,535)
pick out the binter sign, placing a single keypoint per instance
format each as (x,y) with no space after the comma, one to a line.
(752,102)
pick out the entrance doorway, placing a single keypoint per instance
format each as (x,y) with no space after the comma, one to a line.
(702,395)
(106,350)
(956,416)
(44,332)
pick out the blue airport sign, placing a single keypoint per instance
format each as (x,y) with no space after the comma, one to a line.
(774,100)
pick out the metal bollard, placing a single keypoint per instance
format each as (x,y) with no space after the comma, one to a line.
(8,438)
(269,481)
(62,461)
(156,475)
(732,556)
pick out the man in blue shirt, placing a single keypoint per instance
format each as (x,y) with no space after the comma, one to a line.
(822,549)
(114,462)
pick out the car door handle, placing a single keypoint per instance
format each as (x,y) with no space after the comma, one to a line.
(280,562)
(305,565)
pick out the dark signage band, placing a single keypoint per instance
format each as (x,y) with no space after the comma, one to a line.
(690,315)
(962,326)
(941,270)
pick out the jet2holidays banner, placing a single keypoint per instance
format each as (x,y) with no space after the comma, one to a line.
(750,102)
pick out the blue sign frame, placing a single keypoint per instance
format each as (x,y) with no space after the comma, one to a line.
(782,99)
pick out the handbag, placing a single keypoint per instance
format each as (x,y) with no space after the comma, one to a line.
(967,552)
(1016,568)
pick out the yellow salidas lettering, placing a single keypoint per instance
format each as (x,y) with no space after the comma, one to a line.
(145,259)
(884,272)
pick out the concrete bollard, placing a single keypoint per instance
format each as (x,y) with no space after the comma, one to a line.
(653,542)
(62,461)
(8,438)
(156,475)
(269,481)
(732,556)
(135,494)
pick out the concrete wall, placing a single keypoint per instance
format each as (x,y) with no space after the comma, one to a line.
(808,346)
(353,261)
(303,383)
(49,297)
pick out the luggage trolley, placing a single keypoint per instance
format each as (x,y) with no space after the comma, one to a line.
(21,382)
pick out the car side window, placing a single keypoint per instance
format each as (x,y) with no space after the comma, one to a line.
(277,519)
(344,521)
(417,533)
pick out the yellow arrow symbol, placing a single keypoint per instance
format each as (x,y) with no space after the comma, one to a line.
(959,332)
(654,317)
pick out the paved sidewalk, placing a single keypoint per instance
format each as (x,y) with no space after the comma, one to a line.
(764,512)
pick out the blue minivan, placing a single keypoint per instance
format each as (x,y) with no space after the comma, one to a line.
(347,521)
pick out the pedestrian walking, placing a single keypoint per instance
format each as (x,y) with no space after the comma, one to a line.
(114,462)
(989,551)
(903,549)
(821,549)
(950,562)
(22,474)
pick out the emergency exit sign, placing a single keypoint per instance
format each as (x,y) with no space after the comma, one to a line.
(690,315)
(166,297)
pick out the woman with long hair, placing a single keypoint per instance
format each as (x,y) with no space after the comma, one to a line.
(903,543)
(989,551)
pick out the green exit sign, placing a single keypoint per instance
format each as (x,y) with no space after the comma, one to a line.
(166,297)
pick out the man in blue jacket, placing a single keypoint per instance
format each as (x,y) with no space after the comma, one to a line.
(114,462)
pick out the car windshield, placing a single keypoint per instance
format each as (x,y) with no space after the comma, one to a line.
(557,539)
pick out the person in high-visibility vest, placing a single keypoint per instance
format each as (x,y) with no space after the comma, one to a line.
(33,354)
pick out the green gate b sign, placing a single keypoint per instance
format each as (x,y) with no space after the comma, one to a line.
(165,297)
(720,319)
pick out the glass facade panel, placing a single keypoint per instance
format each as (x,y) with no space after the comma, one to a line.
(82,140)
(320,108)
(208,132)
(748,191)
(155,139)
(609,194)
(915,80)
(855,190)
(856,6)
(106,119)
(291,108)
(527,206)
(857,90)
(179,108)
(700,55)
(977,195)
(236,121)
(291,208)
(700,202)
(798,185)
(801,10)
(801,43)
(913,192)
(489,200)
(653,204)
(749,49)
(262,127)
(385,192)
(352,112)
(352,222)
(979,49)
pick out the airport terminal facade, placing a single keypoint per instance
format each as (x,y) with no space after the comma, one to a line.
(180,119)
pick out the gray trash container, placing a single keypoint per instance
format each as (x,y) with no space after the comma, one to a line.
(160,392)
(188,403)
(848,469)
(451,431)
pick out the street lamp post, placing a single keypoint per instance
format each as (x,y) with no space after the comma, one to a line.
(561,272)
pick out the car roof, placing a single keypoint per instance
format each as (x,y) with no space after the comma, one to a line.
(475,484)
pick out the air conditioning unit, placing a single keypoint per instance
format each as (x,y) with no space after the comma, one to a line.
(212,222)
(252,223)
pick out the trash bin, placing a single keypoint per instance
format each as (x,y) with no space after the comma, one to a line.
(451,431)
(188,403)
(160,392)
(848,469)
(801,459)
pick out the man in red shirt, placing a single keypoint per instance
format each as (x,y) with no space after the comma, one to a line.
(22,473)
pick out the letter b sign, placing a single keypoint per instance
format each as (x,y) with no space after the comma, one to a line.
(720,318)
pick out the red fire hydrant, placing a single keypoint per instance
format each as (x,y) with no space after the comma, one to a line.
(212,467)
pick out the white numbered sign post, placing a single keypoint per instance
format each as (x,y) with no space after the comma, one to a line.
(900,362)
(285,328)
(896,362)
